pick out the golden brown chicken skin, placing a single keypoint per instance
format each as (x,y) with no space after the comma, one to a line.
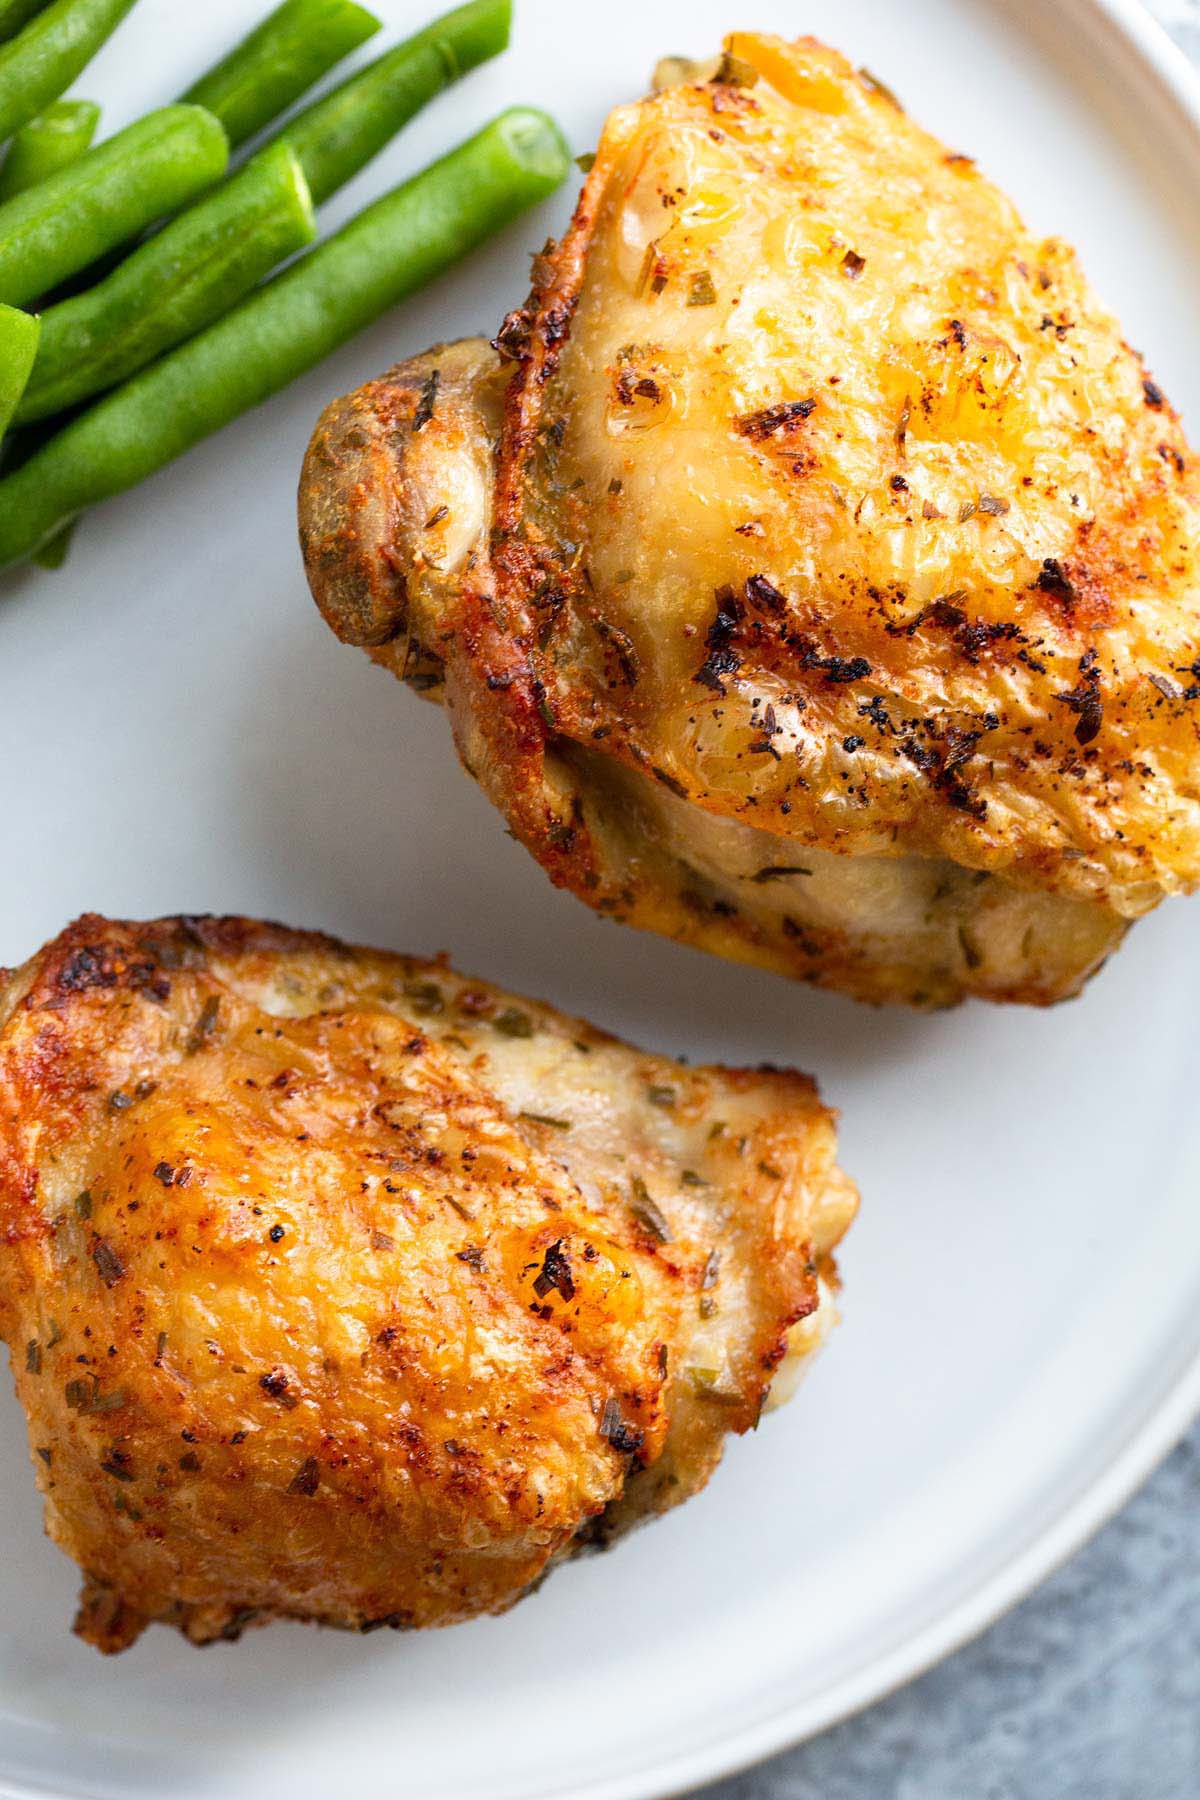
(339,1287)
(813,575)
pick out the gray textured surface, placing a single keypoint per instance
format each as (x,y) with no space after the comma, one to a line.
(1091,1689)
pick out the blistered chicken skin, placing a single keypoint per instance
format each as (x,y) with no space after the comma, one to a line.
(811,571)
(341,1287)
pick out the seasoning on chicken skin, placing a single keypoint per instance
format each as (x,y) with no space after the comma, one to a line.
(813,576)
(339,1287)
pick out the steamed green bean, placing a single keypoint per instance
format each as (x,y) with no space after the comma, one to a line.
(18,347)
(106,198)
(55,551)
(16,14)
(280,60)
(39,64)
(286,328)
(338,134)
(53,141)
(193,271)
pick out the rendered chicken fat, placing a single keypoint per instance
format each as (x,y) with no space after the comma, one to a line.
(829,596)
(339,1287)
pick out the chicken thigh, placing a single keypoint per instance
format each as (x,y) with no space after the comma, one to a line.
(810,571)
(341,1288)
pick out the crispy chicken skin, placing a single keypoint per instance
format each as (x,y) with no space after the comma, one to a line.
(813,575)
(339,1287)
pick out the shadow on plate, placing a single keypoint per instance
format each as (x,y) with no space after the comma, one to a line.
(353,797)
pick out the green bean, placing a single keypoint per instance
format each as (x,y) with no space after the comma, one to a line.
(337,135)
(55,551)
(15,14)
(292,48)
(18,347)
(193,271)
(54,140)
(41,64)
(105,198)
(286,328)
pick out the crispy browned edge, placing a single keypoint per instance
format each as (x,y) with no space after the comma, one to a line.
(504,728)
(96,956)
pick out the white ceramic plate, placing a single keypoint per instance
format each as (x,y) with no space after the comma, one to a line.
(1022,1310)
